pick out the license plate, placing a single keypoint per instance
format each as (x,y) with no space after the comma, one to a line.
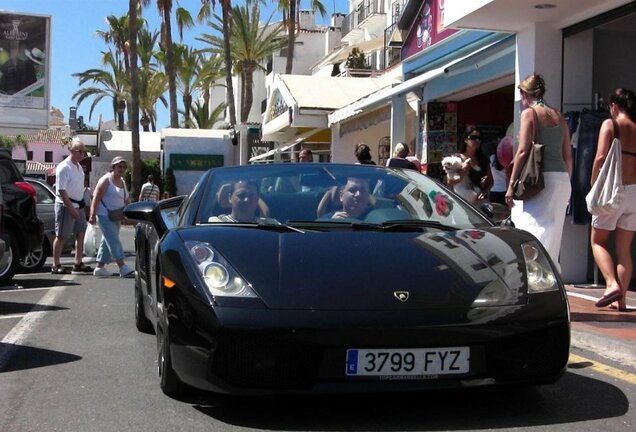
(408,363)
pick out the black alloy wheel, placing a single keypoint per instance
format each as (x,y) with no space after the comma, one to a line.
(33,262)
(170,383)
(9,264)
(142,323)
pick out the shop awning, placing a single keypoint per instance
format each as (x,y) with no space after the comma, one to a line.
(309,99)
(484,54)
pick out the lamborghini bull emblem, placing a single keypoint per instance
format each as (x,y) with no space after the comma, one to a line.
(401,295)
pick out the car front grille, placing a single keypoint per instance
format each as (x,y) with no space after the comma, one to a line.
(532,355)
(262,361)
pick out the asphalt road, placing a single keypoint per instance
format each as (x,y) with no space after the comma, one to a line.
(71,360)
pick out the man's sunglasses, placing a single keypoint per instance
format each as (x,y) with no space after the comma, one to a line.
(474,137)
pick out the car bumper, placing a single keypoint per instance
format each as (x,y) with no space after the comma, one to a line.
(246,351)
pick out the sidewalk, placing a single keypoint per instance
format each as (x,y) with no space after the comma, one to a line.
(604,331)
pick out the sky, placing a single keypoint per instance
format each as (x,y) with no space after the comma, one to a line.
(76,48)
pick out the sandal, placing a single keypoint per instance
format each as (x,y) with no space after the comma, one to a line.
(82,268)
(59,270)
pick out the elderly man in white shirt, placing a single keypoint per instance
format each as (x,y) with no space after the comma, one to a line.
(70,215)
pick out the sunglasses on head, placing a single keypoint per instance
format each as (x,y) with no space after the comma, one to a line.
(474,137)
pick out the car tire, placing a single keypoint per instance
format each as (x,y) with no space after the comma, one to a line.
(9,269)
(34,261)
(170,383)
(142,323)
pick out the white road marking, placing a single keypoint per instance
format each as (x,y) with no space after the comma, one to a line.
(21,331)
(14,316)
(583,296)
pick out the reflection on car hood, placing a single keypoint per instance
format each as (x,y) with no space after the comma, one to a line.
(353,270)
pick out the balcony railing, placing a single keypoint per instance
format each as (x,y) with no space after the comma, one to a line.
(363,11)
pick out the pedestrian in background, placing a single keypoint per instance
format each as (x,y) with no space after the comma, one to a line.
(149,190)
(544,214)
(622,126)
(305,155)
(399,157)
(363,154)
(474,179)
(109,200)
(498,166)
(70,216)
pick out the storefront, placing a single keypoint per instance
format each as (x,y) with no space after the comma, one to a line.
(584,50)
(297,110)
(451,79)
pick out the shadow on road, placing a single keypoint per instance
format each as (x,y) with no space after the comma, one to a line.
(573,399)
(9,308)
(34,282)
(19,357)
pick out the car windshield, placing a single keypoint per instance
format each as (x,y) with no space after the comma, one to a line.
(329,193)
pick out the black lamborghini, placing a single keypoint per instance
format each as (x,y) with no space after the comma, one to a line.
(298,278)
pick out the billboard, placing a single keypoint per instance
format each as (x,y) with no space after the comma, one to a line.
(24,70)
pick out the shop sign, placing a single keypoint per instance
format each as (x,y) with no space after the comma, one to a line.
(195,162)
(428,29)
(277,107)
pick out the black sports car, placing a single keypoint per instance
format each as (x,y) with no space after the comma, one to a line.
(322,278)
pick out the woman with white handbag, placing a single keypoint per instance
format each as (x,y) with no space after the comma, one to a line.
(616,133)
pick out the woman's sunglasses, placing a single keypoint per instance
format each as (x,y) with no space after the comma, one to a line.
(474,137)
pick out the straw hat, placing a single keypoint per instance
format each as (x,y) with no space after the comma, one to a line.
(35,55)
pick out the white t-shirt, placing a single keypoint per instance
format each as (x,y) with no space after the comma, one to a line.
(149,191)
(69,177)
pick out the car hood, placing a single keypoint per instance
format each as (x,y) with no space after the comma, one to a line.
(362,270)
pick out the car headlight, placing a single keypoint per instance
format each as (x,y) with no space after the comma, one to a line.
(219,276)
(541,277)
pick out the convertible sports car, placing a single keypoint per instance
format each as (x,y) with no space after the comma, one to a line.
(294,278)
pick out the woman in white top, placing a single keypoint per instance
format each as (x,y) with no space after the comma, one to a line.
(110,194)
(618,276)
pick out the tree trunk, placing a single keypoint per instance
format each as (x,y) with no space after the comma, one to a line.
(226,6)
(121,107)
(145,122)
(170,69)
(291,37)
(248,95)
(134,102)
(187,104)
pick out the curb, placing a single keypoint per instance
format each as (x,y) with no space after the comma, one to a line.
(611,348)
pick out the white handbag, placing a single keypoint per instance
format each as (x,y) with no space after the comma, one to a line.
(606,193)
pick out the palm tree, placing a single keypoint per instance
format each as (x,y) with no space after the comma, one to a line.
(290,9)
(226,10)
(152,82)
(117,35)
(189,61)
(113,84)
(211,71)
(184,19)
(133,9)
(152,86)
(251,43)
(202,118)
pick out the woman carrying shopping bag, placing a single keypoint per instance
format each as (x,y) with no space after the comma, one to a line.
(107,209)
(622,105)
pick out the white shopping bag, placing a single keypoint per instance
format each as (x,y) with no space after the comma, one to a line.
(90,240)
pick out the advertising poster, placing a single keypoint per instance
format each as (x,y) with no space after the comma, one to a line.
(23,61)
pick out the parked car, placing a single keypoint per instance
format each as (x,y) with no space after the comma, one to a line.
(45,205)
(397,284)
(4,239)
(25,232)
